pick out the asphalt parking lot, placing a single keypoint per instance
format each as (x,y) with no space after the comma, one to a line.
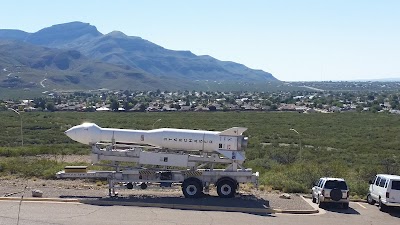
(35,213)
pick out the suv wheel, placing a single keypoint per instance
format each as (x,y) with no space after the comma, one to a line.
(370,200)
(314,200)
(320,204)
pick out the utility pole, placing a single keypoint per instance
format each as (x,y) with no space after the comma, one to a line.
(20,117)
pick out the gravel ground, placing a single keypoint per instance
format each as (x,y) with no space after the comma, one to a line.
(84,189)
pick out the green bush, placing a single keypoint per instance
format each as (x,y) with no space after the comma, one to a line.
(30,167)
(346,145)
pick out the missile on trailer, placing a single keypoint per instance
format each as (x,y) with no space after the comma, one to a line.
(230,143)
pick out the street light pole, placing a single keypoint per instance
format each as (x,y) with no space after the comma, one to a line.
(299,139)
(20,117)
(155,123)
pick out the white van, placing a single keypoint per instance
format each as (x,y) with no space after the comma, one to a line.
(384,189)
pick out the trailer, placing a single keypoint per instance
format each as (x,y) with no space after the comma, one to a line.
(195,171)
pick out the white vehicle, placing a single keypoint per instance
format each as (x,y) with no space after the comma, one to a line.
(331,190)
(166,156)
(384,189)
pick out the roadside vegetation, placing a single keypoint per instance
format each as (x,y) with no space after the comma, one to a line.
(355,146)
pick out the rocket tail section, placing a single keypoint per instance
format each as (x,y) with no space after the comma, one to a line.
(234,155)
(234,131)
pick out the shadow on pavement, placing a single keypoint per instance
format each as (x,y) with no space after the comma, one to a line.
(395,212)
(79,196)
(240,203)
(340,209)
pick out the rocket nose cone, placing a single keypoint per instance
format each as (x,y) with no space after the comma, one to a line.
(72,133)
(85,133)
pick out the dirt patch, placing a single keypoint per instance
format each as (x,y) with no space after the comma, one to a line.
(87,189)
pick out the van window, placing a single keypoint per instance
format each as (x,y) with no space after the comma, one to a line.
(382,182)
(378,179)
(395,184)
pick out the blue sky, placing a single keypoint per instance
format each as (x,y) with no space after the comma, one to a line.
(295,40)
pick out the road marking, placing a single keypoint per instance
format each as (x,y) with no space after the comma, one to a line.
(313,205)
(361,205)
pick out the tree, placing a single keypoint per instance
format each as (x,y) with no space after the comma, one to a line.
(142,107)
(376,108)
(127,105)
(187,102)
(212,108)
(114,105)
(40,103)
(50,107)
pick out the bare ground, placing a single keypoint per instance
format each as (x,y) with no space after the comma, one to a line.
(85,189)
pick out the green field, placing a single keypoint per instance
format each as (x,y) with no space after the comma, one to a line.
(355,146)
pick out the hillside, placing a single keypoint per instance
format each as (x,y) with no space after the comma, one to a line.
(77,56)
(26,66)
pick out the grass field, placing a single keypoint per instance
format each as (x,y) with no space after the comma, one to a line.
(355,146)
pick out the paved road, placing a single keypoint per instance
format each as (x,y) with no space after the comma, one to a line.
(39,213)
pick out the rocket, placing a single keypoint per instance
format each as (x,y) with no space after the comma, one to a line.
(229,142)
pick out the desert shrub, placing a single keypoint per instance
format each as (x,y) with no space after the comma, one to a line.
(31,167)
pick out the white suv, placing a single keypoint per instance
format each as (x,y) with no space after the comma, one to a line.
(331,190)
(384,189)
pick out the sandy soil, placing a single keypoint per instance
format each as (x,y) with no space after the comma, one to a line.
(85,189)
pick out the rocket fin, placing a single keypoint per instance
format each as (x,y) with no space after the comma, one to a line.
(234,131)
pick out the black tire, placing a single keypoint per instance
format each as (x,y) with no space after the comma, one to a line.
(346,205)
(226,188)
(336,194)
(143,186)
(320,204)
(370,200)
(129,185)
(382,207)
(314,200)
(192,188)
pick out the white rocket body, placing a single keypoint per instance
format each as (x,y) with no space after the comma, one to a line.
(167,138)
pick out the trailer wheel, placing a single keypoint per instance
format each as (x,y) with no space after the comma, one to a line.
(226,188)
(143,186)
(192,188)
(129,185)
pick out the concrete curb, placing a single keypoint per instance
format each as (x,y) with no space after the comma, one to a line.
(315,208)
(39,199)
(164,205)
(312,211)
(180,206)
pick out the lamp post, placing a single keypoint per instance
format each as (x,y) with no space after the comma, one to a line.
(20,117)
(155,123)
(299,139)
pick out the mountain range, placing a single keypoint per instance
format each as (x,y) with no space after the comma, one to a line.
(76,56)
